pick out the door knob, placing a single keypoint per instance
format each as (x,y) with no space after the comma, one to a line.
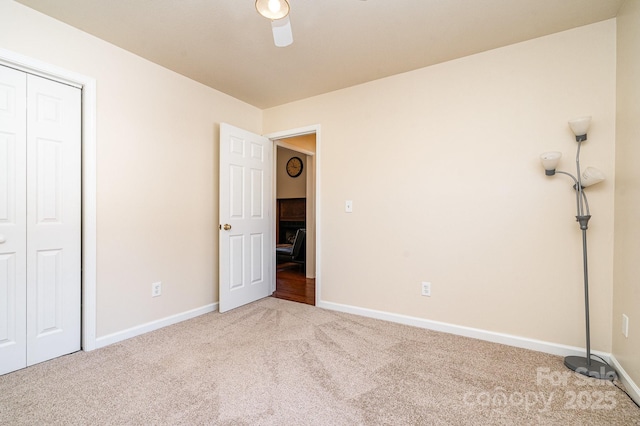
(226,227)
(2,239)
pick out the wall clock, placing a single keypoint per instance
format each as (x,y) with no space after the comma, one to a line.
(294,167)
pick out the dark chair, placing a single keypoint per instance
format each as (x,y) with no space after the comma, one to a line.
(293,252)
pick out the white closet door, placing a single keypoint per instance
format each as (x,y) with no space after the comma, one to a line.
(53,219)
(13,235)
(39,219)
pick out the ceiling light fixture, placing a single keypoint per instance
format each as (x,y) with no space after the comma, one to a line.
(272,9)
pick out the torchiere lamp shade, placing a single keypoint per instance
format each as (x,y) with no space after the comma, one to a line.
(550,161)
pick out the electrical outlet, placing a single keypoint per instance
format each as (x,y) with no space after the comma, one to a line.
(156,289)
(625,325)
(426,289)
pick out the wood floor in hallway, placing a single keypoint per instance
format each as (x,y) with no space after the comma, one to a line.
(291,284)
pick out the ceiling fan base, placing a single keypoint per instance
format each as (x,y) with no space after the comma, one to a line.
(282,35)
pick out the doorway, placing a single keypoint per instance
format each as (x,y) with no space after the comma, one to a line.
(295,193)
(237,144)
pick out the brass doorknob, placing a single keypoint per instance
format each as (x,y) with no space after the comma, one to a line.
(226,227)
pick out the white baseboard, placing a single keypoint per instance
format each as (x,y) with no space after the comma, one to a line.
(629,384)
(153,325)
(475,333)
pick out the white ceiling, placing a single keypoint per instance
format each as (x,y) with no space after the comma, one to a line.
(226,45)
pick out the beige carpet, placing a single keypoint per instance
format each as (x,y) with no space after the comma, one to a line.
(276,362)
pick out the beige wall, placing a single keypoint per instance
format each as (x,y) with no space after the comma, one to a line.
(287,186)
(442,165)
(157,175)
(626,290)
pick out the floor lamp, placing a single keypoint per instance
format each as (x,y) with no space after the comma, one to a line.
(590,176)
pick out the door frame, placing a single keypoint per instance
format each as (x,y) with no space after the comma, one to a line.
(88,179)
(275,137)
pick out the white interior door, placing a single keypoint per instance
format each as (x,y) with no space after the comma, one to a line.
(246,246)
(13,226)
(40,208)
(53,219)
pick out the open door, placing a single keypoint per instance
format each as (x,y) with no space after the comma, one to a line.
(246,248)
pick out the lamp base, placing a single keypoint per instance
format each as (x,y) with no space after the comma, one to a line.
(596,369)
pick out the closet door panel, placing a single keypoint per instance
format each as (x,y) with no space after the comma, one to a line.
(12,219)
(53,225)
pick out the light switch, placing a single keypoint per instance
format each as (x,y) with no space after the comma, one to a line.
(348,206)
